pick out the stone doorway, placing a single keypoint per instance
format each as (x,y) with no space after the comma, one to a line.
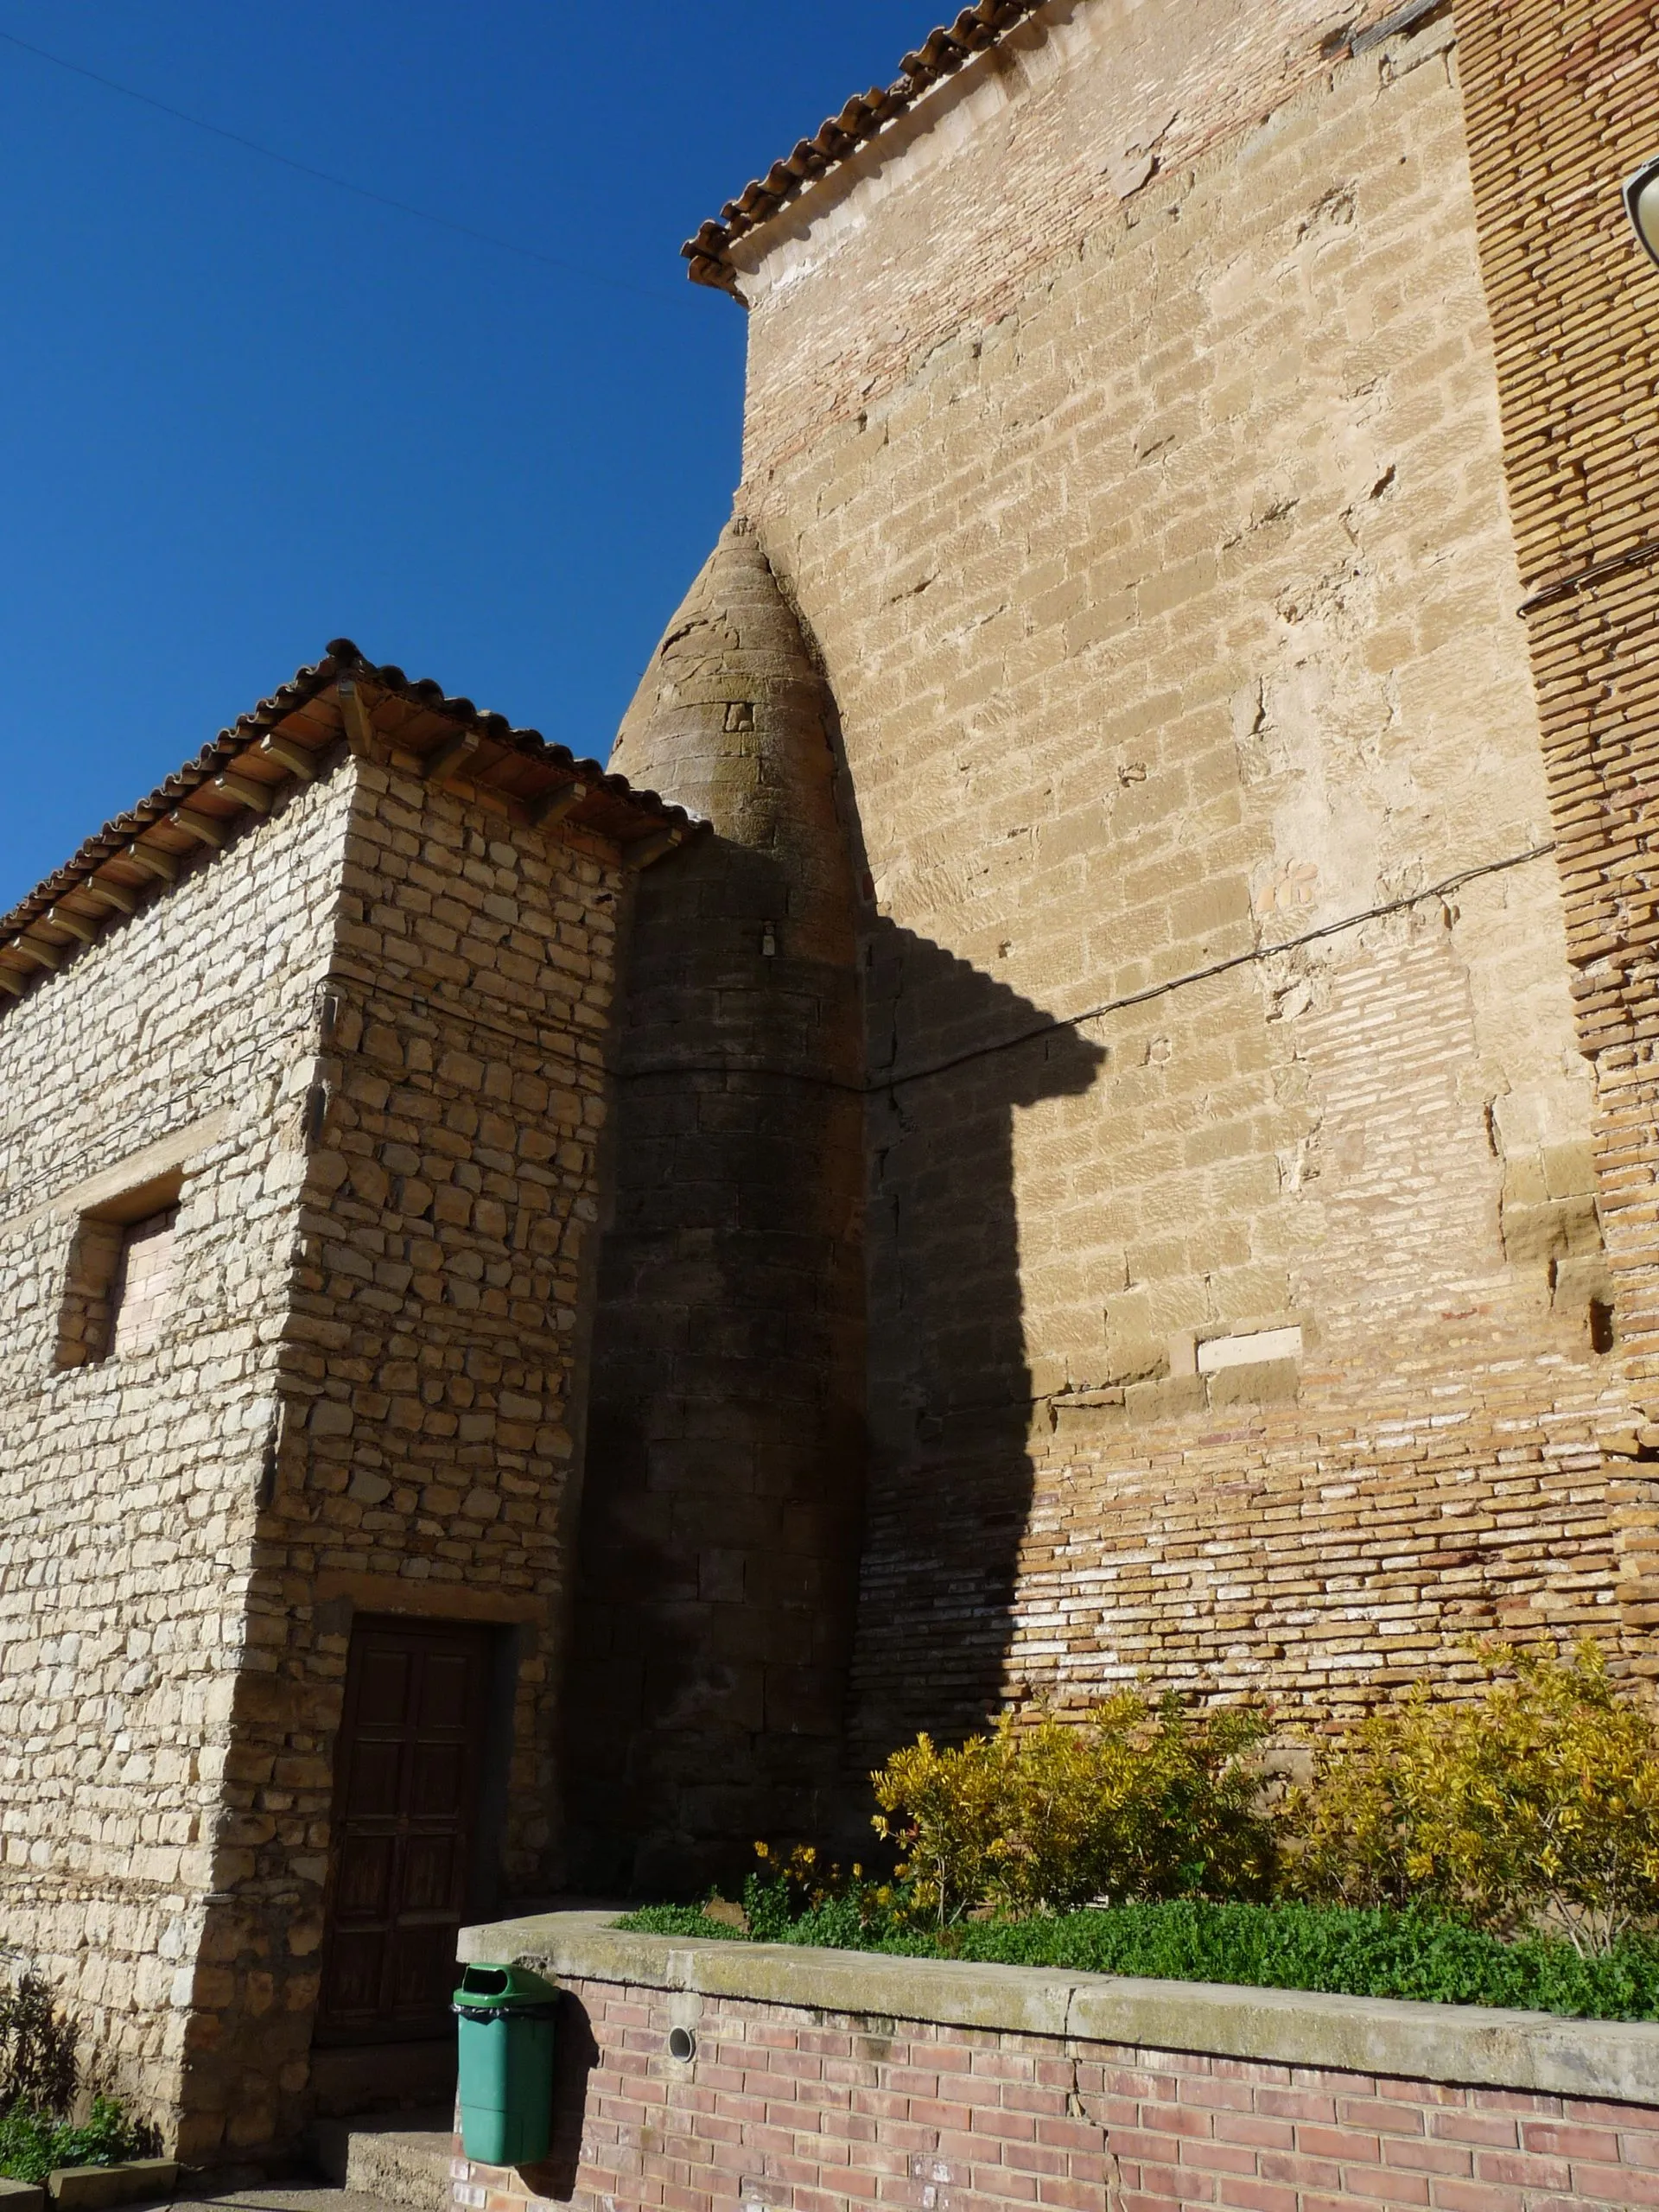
(408,1784)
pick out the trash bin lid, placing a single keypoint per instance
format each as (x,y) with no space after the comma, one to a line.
(502,1989)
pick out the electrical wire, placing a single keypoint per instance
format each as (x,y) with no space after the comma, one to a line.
(340,184)
(881,1080)
(894,1079)
(884,1080)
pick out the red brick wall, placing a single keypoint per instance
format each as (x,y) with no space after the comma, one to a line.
(1559,106)
(798,2111)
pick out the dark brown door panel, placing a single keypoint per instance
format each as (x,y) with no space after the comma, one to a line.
(407,1778)
(377,1776)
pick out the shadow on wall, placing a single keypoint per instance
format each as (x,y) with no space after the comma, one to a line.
(576,2054)
(950,1479)
(721,1511)
(720,1534)
(724,1489)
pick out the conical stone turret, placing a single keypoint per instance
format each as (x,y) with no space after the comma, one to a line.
(717,1550)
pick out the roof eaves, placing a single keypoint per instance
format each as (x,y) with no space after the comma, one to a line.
(941,53)
(272,747)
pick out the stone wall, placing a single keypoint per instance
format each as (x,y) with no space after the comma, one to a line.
(1123,425)
(429,1365)
(370,1037)
(947,2088)
(186,1041)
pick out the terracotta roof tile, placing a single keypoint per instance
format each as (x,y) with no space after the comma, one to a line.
(941,53)
(296,733)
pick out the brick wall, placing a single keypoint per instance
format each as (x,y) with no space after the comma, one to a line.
(1559,114)
(786,2109)
(1147,509)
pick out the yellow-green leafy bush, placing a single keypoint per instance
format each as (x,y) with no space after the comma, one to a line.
(1146,1798)
(1539,1801)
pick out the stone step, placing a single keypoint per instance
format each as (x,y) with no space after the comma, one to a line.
(402,2158)
(410,2078)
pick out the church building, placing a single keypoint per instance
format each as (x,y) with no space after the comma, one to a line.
(1074,1105)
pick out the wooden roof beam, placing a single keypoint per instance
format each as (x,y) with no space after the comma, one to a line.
(356,712)
(553,804)
(65,918)
(245,790)
(162,866)
(113,895)
(293,757)
(445,758)
(645,852)
(194,825)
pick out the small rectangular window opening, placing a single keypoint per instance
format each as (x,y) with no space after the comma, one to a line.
(144,1282)
(120,1281)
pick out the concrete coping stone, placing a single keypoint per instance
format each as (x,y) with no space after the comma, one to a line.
(92,2189)
(21,2195)
(1614,2060)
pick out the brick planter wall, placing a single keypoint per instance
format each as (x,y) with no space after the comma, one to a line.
(838,2080)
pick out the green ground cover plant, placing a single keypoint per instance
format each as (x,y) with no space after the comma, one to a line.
(1502,1850)
(1347,1950)
(33,2144)
(39,2080)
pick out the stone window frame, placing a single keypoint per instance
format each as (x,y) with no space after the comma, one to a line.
(95,1280)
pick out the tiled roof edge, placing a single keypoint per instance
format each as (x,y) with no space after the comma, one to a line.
(941,53)
(657,820)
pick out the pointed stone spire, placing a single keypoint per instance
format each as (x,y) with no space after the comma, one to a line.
(725,1458)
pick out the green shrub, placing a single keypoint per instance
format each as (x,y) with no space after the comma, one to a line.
(1501,1851)
(1536,1805)
(1144,1798)
(32,2142)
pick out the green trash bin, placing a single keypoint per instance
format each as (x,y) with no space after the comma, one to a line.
(504,2019)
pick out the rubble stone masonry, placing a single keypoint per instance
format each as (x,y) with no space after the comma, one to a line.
(185,1042)
(365,1046)
(1123,425)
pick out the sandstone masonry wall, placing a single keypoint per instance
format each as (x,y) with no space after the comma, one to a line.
(187,1038)
(1124,428)
(372,1034)
(707,1677)
(430,1363)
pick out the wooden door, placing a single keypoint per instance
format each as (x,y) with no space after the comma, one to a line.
(407,1774)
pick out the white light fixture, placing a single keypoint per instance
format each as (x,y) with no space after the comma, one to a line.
(1642,204)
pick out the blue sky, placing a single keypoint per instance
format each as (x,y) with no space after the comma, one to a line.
(244,412)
